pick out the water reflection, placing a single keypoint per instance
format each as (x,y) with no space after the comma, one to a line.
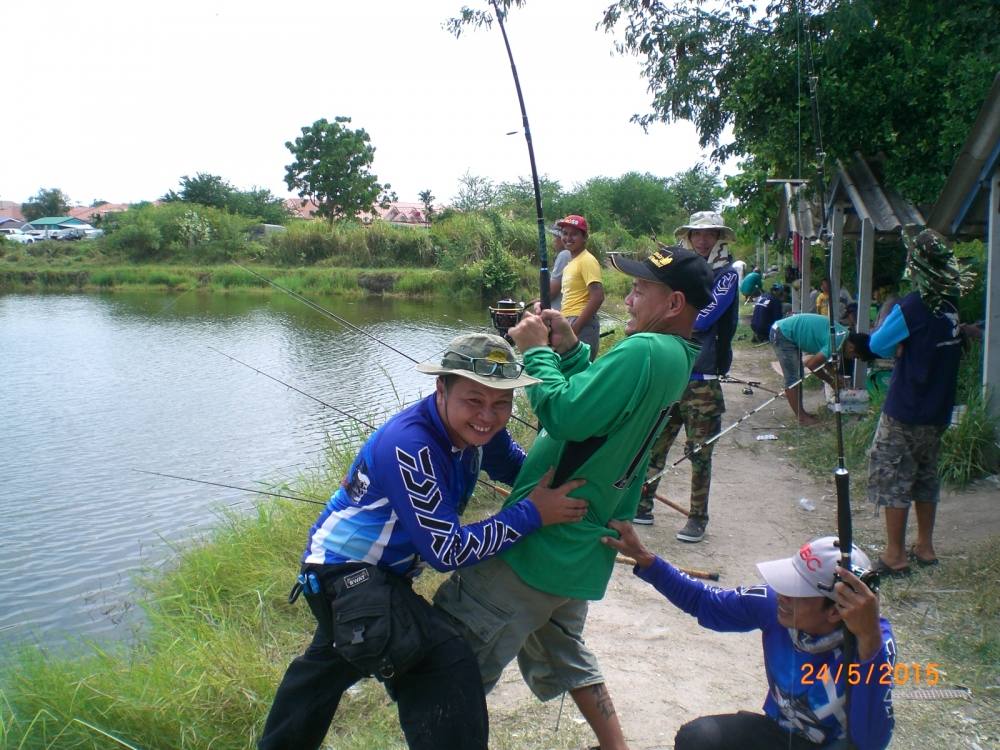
(92,387)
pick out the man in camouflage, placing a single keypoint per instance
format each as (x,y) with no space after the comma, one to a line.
(701,407)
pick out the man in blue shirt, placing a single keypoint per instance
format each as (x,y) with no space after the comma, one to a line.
(801,610)
(923,332)
(701,407)
(396,511)
(767,310)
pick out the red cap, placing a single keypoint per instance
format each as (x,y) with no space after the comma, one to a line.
(574,221)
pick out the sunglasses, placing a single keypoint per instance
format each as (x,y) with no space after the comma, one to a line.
(483,366)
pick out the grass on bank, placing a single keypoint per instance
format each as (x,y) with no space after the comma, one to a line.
(218,637)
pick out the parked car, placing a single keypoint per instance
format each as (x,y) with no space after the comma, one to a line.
(16,235)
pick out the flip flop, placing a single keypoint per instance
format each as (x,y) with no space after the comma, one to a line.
(883,569)
(923,562)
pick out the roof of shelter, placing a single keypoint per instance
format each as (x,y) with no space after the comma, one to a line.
(860,185)
(961,208)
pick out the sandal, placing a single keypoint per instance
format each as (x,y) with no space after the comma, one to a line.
(883,569)
(923,562)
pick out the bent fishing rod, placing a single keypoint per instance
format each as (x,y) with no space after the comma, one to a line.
(701,446)
(344,322)
(543,258)
(301,499)
(321,402)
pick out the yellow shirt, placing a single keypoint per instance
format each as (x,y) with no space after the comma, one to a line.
(580,272)
(823,304)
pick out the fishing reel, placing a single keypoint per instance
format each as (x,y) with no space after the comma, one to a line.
(505,315)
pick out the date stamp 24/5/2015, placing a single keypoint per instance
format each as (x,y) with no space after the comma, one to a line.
(902,673)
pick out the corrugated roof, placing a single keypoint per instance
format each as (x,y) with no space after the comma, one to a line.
(858,183)
(961,208)
(798,212)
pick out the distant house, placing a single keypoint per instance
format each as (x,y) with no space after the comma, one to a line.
(9,222)
(89,213)
(49,225)
(12,210)
(400,213)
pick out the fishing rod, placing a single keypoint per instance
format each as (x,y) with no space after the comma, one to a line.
(495,488)
(701,446)
(312,500)
(543,260)
(750,385)
(344,322)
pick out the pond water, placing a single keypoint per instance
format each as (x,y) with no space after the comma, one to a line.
(93,387)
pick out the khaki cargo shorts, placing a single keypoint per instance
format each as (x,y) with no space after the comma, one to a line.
(902,463)
(502,617)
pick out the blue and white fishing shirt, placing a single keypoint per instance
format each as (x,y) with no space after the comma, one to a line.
(806,694)
(400,502)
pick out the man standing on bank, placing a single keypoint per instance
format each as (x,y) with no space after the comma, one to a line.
(582,290)
(599,421)
(396,511)
(701,407)
(924,333)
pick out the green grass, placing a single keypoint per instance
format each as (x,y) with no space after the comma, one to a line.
(218,637)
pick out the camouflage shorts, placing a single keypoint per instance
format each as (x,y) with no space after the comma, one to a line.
(902,463)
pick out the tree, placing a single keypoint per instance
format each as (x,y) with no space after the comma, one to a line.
(46,202)
(905,78)
(259,202)
(331,168)
(697,189)
(427,198)
(205,189)
(475,193)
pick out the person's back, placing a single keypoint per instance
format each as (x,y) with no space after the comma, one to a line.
(606,443)
(766,310)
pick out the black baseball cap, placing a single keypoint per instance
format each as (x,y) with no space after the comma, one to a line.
(680,269)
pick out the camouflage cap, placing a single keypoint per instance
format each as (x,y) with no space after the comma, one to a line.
(933,267)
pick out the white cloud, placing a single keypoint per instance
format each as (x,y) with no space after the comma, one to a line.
(124,97)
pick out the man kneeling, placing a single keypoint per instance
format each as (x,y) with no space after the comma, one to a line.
(799,610)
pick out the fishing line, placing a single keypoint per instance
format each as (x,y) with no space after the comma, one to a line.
(344,322)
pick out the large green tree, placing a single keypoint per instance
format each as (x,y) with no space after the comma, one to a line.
(46,202)
(801,83)
(332,168)
(900,77)
(211,190)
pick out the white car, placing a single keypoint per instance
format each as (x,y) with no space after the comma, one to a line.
(16,235)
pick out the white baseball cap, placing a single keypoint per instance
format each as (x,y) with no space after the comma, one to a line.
(810,572)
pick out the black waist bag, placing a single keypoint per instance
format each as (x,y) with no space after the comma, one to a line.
(374,627)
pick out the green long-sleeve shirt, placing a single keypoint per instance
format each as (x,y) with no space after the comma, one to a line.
(599,421)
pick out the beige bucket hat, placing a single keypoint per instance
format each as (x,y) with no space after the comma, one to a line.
(483,357)
(706,220)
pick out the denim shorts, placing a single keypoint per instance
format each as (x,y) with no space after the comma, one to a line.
(789,356)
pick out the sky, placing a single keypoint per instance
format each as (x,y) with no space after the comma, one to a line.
(117,100)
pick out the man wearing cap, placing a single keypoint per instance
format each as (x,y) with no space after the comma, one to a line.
(582,290)
(598,422)
(767,310)
(801,610)
(701,407)
(809,333)
(923,332)
(562,259)
(396,511)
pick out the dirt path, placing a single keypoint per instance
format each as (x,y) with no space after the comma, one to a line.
(663,669)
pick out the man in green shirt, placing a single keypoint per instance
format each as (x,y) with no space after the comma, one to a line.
(809,333)
(598,422)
